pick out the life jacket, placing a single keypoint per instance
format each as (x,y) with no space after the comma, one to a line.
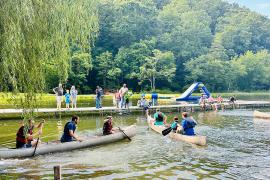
(160,117)
(20,136)
(175,127)
(190,123)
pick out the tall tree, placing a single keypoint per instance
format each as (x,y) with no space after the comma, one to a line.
(36,35)
(157,67)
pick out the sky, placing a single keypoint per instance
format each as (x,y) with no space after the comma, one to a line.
(260,6)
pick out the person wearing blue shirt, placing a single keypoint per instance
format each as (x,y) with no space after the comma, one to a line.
(188,124)
(67,99)
(69,130)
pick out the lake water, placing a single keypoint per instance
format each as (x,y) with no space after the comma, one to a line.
(238,147)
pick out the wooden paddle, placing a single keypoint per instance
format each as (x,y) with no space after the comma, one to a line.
(41,126)
(124,133)
(35,147)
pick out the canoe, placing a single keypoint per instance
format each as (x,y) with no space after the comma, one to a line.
(198,140)
(130,131)
(261,114)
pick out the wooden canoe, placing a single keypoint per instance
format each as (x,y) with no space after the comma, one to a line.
(198,140)
(261,115)
(129,131)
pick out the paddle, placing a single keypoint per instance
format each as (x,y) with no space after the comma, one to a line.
(124,133)
(166,131)
(41,126)
(35,147)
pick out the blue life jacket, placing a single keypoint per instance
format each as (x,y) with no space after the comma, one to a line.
(188,124)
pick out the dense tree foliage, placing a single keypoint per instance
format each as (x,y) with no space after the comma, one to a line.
(162,44)
(36,36)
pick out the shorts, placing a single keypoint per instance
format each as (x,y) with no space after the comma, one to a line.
(145,108)
(58,99)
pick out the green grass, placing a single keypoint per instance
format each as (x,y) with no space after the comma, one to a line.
(7,100)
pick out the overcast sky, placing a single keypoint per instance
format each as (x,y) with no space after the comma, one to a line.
(260,6)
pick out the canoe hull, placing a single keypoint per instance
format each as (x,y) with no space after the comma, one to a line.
(261,115)
(69,146)
(198,140)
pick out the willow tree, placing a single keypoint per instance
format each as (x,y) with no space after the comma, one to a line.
(35,38)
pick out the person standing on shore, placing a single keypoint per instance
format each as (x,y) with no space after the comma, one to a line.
(59,93)
(73,93)
(117,98)
(67,98)
(123,92)
(98,97)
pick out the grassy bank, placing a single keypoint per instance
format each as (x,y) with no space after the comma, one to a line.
(8,100)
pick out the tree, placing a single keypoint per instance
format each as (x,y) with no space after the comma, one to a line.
(131,58)
(159,66)
(36,37)
(257,69)
(122,23)
(107,69)
(80,64)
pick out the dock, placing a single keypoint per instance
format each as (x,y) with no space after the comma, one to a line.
(45,112)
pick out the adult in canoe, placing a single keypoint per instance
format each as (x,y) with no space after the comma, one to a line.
(160,118)
(69,130)
(108,126)
(188,124)
(25,134)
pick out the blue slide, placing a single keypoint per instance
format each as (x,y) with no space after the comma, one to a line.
(186,96)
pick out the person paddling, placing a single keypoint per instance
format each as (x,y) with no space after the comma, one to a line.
(160,118)
(188,124)
(25,134)
(108,126)
(69,130)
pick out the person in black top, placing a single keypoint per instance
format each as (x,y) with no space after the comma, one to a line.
(108,126)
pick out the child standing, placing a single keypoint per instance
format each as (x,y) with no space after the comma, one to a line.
(67,98)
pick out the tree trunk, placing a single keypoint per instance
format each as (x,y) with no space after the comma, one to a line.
(154,81)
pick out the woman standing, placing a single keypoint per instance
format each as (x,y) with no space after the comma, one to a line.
(73,93)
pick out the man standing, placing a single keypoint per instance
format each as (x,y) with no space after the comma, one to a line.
(123,92)
(98,97)
(69,130)
(59,93)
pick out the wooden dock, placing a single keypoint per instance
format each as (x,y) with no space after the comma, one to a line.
(43,112)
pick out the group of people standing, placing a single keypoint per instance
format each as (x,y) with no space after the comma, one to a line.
(70,96)
(121,97)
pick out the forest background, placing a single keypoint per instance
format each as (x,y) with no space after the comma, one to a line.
(162,45)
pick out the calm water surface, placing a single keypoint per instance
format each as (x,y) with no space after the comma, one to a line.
(238,147)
